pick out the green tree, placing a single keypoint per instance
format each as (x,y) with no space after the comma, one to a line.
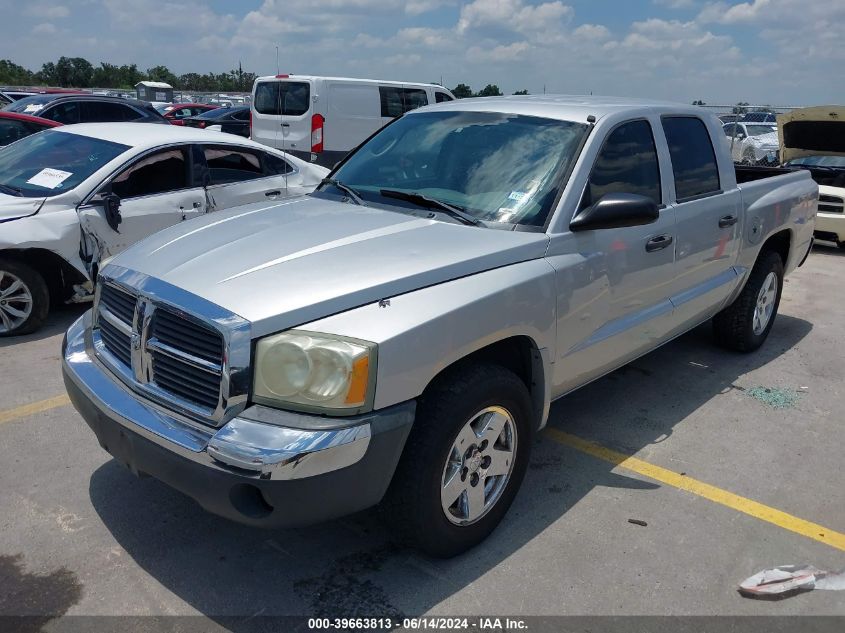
(162,73)
(521,92)
(14,75)
(741,107)
(699,102)
(490,90)
(462,91)
(68,72)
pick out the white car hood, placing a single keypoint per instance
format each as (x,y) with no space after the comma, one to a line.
(14,207)
(765,140)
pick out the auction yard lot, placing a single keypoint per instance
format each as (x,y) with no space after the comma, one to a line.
(79,534)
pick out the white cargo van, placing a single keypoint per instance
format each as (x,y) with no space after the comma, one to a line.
(321,119)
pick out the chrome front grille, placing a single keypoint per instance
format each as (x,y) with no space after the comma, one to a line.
(831,204)
(181,358)
(187,358)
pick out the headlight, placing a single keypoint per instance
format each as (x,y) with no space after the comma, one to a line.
(314,372)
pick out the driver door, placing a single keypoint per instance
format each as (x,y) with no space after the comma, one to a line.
(153,191)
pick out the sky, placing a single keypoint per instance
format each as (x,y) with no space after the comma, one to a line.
(777,52)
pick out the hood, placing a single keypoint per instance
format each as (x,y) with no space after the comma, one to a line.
(293,262)
(14,207)
(765,140)
(816,131)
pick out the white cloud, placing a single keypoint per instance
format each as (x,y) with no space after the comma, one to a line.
(675,4)
(46,10)
(503,53)
(514,15)
(44,28)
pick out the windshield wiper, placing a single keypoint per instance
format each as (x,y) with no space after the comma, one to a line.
(432,203)
(346,189)
(15,191)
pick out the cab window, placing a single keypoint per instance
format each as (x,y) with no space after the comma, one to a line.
(693,159)
(627,163)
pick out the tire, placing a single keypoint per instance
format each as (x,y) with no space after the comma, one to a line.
(413,504)
(735,327)
(748,158)
(24,299)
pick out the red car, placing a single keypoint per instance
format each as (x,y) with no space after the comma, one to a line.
(176,112)
(15,126)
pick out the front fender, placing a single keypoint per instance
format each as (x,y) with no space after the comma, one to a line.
(420,333)
(57,231)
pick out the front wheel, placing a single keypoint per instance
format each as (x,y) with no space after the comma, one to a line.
(745,324)
(464,461)
(24,299)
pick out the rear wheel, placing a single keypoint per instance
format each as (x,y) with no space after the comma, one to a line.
(745,324)
(24,299)
(464,461)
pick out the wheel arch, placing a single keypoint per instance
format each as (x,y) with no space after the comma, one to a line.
(780,243)
(59,274)
(519,354)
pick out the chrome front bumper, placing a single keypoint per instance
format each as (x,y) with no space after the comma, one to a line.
(269,451)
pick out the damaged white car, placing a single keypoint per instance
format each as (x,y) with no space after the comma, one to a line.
(752,143)
(74,196)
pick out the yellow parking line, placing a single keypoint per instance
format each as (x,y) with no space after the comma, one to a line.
(10,415)
(723,497)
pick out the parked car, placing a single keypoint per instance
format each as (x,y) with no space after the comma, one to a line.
(10,96)
(85,108)
(322,118)
(14,126)
(759,117)
(234,120)
(752,143)
(814,139)
(74,196)
(398,335)
(176,113)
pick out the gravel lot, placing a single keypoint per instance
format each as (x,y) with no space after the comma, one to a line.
(79,534)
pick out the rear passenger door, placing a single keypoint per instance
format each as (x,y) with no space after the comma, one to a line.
(240,175)
(707,221)
(156,190)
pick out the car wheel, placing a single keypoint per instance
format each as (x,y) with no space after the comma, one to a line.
(24,299)
(748,158)
(464,460)
(745,324)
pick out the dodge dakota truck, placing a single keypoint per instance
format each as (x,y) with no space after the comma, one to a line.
(396,337)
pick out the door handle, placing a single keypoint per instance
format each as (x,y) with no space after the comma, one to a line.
(726,221)
(658,242)
(274,193)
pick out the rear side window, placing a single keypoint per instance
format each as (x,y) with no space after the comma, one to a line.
(693,159)
(157,173)
(440,97)
(275,166)
(290,98)
(397,101)
(67,112)
(627,163)
(227,165)
(241,115)
(103,112)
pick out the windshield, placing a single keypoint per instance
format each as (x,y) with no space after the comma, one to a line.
(496,167)
(30,105)
(51,162)
(819,161)
(759,130)
(164,107)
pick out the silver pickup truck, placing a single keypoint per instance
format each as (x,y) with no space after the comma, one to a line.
(398,335)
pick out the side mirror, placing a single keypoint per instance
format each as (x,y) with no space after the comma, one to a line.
(111,208)
(616,210)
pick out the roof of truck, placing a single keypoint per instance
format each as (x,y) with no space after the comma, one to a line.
(568,107)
